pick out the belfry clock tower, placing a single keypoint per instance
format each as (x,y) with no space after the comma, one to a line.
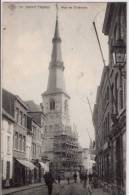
(61,144)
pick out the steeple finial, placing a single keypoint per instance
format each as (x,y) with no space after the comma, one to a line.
(56,11)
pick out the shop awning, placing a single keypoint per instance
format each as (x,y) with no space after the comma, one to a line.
(27,164)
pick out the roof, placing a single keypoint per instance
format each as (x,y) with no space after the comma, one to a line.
(7,115)
(32,106)
(21,101)
(54,92)
(112,11)
(8,102)
(107,19)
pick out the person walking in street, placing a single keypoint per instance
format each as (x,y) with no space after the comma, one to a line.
(85,179)
(75,177)
(90,178)
(81,177)
(68,179)
(49,180)
(58,178)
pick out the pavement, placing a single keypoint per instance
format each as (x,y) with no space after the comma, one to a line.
(58,189)
(99,191)
(15,190)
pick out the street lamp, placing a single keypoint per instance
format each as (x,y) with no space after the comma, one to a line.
(119,55)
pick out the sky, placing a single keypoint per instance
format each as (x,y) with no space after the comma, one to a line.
(28,29)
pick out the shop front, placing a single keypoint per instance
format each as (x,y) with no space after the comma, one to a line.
(23,172)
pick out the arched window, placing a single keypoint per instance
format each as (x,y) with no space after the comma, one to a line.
(52,104)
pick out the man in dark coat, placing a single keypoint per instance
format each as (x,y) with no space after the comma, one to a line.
(85,179)
(75,177)
(49,180)
(58,178)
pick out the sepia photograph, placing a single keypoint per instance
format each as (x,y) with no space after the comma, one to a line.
(63,91)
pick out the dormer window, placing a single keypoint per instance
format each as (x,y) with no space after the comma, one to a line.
(52,104)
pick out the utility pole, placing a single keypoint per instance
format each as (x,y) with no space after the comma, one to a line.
(99,44)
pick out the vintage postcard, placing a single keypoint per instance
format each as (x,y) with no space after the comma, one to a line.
(63,117)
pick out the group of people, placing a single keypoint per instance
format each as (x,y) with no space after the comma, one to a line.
(50,180)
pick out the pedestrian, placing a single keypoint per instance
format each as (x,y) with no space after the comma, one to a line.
(49,180)
(68,179)
(58,178)
(81,177)
(90,178)
(75,177)
(85,179)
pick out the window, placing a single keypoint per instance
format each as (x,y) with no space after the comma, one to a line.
(8,144)
(52,104)
(20,142)
(2,167)
(116,32)
(123,24)
(9,127)
(8,170)
(24,143)
(121,98)
(16,140)
(116,90)
(34,131)
(17,114)
(20,117)
(24,120)
(34,149)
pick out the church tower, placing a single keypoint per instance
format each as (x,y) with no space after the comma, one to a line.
(60,142)
(55,98)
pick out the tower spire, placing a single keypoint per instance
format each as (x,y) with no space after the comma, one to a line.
(56,35)
(56,80)
(56,11)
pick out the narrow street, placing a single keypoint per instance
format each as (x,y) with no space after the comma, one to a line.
(58,189)
(71,189)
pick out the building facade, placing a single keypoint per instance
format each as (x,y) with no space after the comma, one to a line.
(59,135)
(88,159)
(7,148)
(102,122)
(38,130)
(110,120)
(21,129)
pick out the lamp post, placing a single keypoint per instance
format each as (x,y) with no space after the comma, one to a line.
(119,54)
